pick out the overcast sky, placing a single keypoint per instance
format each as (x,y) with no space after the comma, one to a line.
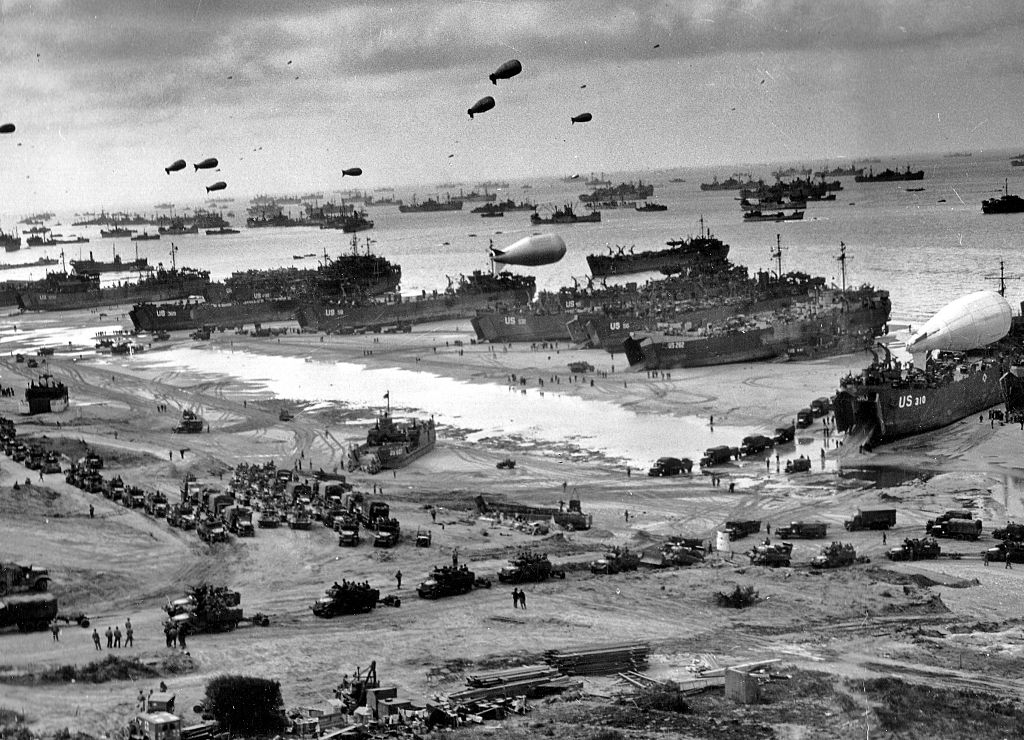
(106,93)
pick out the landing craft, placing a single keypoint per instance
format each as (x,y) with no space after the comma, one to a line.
(216,186)
(539,249)
(482,105)
(969,322)
(206,164)
(7,128)
(178,164)
(582,118)
(352,172)
(506,71)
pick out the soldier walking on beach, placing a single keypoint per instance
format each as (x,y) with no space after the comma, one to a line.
(515,598)
(522,599)
(455,558)
(55,629)
(92,511)
(110,637)
(117,637)
(129,639)
(181,638)
(398,578)
(96,639)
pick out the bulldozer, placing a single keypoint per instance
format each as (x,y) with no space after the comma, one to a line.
(836,555)
(773,555)
(346,598)
(16,578)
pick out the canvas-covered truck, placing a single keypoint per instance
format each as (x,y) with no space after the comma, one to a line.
(16,578)
(871,519)
(239,520)
(719,455)
(739,529)
(958,529)
(925,548)
(29,612)
(802,530)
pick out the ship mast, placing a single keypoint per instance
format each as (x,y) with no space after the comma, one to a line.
(174,249)
(842,262)
(1002,277)
(777,255)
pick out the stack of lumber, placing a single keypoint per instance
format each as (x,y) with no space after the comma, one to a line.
(523,681)
(601,659)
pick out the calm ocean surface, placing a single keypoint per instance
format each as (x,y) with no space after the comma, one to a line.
(923,251)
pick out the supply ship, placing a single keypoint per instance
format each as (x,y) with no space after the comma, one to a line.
(10,242)
(430,205)
(889,175)
(93,266)
(564,216)
(959,357)
(460,300)
(622,192)
(681,253)
(1006,203)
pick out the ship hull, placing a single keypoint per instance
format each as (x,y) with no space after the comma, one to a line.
(895,413)
(30,300)
(404,313)
(604,265)
(509,326)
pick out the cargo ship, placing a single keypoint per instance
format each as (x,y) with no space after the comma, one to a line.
(680,254)
(622,192)
(11,242)
(114,233)
(92,266)
(59,291)
(479,291)
(391,445)
(430,205)
(730,183)
(889,175)
(564,216)
(959,359)
(505,205)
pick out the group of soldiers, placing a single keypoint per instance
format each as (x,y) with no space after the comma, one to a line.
(114,636)
(174,635)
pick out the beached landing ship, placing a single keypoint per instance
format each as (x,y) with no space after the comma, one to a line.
(45,396)
(60,292)
(390,445)
(974,340)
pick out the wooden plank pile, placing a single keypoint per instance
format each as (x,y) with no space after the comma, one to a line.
(599,660)
(522,681)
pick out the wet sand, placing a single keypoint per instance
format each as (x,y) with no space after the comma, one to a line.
(125,564)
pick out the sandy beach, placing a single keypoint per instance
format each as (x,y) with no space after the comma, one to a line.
(859,622)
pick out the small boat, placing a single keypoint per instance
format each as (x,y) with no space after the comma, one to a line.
(145,236)
(222,230)
(651,207)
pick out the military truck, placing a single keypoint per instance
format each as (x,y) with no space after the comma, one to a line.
(836,555)
(871,519)
(784,435)
(665,466)
(529,567)
(51,463)
(682,551)
(114,489)
(772,555)
(239,520)
(211,529)
(755,443)
(802,530)
(948,516)
(616,560)
(28,611)
(1011,531)
(925,548)
(191,423)
(134,497)
(424,538)
(718,455)
(348,534)
(346,598)
(205,608)
(821,406)
(449,581)
(798,465)
(299,518)
(156,504)
(737,530)
(268,518)
(16,578)
(388,533)
(1006,550)
(957,529)
(804,418)
(182,516)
